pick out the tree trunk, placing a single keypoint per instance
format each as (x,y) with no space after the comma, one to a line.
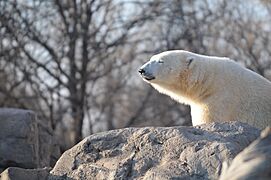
(78,117)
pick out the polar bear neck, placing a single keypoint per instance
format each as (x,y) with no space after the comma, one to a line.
(199,111)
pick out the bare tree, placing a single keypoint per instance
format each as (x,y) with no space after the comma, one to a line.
(66,47)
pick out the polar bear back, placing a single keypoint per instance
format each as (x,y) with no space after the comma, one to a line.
(240,95)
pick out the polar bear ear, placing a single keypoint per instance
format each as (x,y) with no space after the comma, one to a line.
(189,60)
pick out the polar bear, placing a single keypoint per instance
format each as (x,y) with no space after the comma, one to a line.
(217,89)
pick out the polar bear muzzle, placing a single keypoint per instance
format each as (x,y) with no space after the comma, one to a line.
(147,71)
(146,75)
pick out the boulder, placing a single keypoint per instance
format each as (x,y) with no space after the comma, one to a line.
(15,173)
(155,153)
(254,162)
(18,139)
(25,141)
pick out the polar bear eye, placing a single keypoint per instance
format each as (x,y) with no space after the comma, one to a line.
(160,61)
(190,59)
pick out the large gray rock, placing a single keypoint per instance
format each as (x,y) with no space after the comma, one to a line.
(15,173)
(25,141)
(254,162)
(18,139)
(155,153)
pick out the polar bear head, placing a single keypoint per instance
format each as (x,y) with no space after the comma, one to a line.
(167,68)
(185,76)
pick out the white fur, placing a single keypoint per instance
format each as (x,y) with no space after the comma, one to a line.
(217,89)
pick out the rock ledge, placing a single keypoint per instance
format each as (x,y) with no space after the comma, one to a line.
(155,153)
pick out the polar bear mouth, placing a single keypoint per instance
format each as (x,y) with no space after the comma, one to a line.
(149,78)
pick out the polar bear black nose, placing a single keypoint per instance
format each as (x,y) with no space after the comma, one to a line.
(141,71)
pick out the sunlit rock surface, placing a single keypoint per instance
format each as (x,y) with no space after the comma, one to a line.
(155,153)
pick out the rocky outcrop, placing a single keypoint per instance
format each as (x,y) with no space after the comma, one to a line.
(133,153)
(155,153)
(15,173)
(25,141)
(18,139)
(254,162)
